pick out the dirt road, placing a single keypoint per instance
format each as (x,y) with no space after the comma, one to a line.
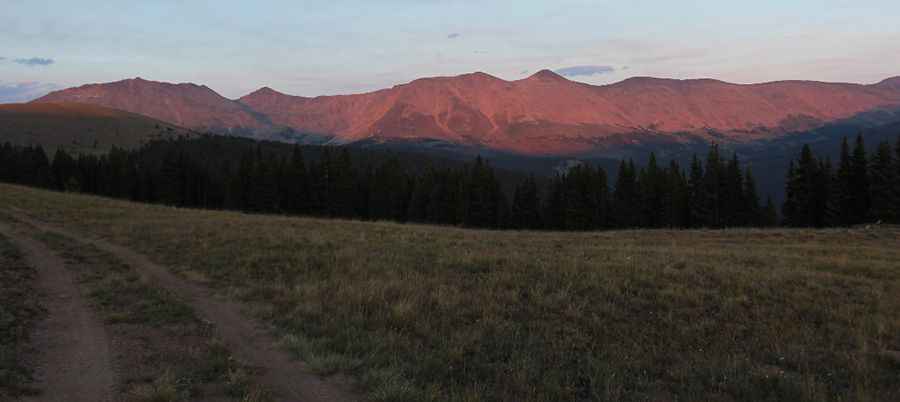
(290,380)
(74,362)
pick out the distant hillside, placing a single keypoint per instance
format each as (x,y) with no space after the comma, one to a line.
(80,127)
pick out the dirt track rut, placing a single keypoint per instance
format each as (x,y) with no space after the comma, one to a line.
(290,380)
(74,363)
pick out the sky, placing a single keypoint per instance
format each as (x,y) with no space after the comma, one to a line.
(311,48)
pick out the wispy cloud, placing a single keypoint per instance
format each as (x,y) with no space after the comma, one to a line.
(670,56)
(576,71)
(35,62)
(14,92)
(454,35)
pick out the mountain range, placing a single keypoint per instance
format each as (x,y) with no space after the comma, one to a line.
(544,114)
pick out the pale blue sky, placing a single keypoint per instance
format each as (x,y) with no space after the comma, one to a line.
(342,46)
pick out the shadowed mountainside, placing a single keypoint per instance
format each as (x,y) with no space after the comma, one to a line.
(80,127)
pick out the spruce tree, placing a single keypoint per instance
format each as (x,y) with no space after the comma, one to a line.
(525,208)
(790,210)
(601,197)
(697,199)
(63,169)
(859,184)
(264,185)
(295,184)
(770,214)
(733,203)
(677,207)
(625,196)
(713,187)
(750,213)
(842,201)
(882,181)
(651,185)
(804,181)
(822,180)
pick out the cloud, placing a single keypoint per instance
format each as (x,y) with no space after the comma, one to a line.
(666,57)
(14,92)
(2,58)
(576,71)
(454,35)
(34,62)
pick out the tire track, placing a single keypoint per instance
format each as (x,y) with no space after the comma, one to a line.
(74,362)
(290,380)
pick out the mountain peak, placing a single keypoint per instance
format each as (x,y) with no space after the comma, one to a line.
(546,75)
(184,104)
(265,91)
(893,82)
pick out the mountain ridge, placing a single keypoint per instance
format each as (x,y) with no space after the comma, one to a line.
(544,113)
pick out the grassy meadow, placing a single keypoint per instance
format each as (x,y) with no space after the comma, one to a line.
(426,313)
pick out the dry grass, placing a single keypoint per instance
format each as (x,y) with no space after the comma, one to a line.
(163,352)
(19,311)
(422,313)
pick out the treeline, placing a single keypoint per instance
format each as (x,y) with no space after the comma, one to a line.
(718,193)
(711,193)
(860,189)
(180,173)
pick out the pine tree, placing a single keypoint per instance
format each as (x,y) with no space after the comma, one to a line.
(882,181)
(601,199)
(751,214)
(421,197)
(677,209)
(40,168)
(822,180)
(770,214)
(63,169)
(842,201)
(713,187)
(651,184)
(525,208)
(697,199)
(172,183)
(264,184)
(733,203)
(625,197)
(803,181)
(295,185)
(555,207)
(790,210)
(859,184)
(342,186)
